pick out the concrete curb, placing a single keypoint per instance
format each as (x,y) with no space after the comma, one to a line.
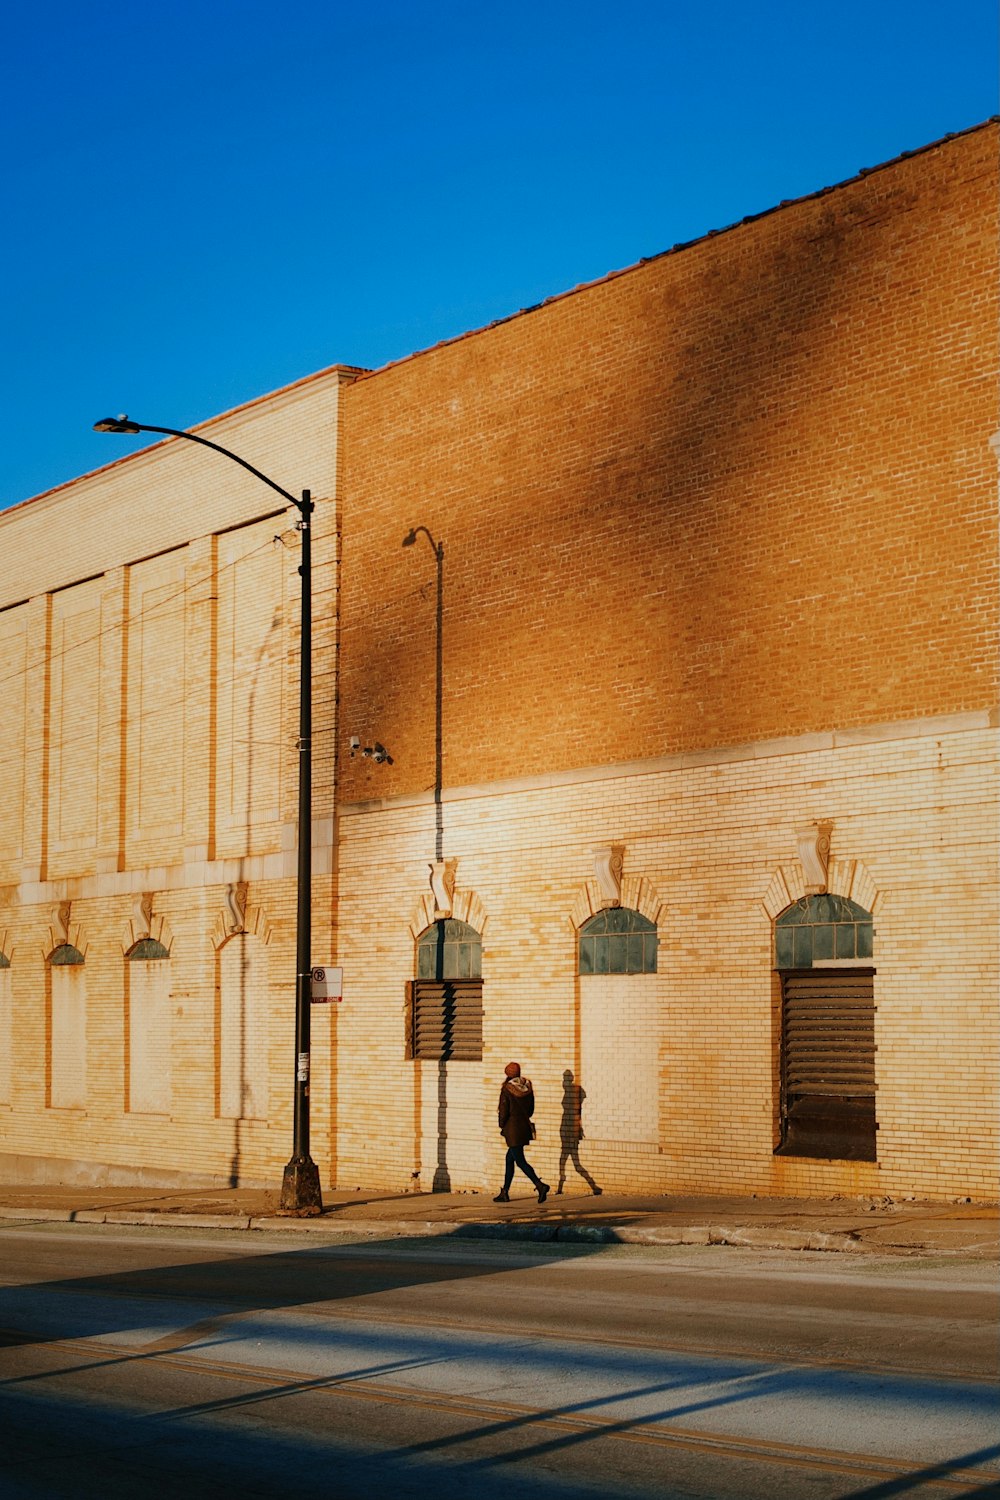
(542,1231)
(123,1216)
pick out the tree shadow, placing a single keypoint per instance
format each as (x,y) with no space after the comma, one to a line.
(115,1302)
(571,1133)
(203,1306)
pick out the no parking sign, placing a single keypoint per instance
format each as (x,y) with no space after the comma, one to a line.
(327,985)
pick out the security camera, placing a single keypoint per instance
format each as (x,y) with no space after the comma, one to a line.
(377,752)
(355,744)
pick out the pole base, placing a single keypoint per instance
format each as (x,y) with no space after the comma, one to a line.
(300,1189)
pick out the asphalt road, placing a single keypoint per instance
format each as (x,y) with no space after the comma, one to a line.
(190,1363)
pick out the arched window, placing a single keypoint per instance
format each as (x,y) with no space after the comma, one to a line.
(620,1021)
(148,1030)
(450,950)
(618,941)
(65,954)
(823,948)
(446,998)
(67,1029)
(147,950)
(820,928)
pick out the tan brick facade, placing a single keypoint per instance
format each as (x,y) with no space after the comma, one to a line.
(740,492)
(708,845)
(717,563)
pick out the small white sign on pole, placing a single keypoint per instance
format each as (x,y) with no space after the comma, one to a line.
(327,985)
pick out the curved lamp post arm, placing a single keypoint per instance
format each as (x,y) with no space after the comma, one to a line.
(126,425)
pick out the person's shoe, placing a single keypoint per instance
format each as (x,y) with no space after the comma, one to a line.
(543,1191)
(502,1197)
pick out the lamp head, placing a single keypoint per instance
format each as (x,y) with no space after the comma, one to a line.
(116,424)
(409,538)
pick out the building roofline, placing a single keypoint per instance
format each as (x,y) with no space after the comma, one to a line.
(354,373)
(348,373)
(710,234)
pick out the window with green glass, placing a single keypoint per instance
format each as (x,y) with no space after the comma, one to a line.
(450,950)
(618,941)
(148,950)
(66,954)
(820,928)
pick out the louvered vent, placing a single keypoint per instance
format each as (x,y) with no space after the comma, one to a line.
(830,1033)
(447,1019)
(828,1064)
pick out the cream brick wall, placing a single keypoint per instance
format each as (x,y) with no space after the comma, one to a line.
(682,586)
(13,732)
(914,832)
(149,652)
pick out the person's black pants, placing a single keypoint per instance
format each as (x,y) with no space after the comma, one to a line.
(516,1158)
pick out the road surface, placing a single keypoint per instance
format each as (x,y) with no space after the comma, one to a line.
(154,1363)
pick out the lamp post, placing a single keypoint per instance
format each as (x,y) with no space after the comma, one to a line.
(300,1187)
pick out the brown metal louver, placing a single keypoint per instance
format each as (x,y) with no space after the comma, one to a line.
(447,1019)
(828,1063)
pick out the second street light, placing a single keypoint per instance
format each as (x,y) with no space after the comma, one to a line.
(300,1187)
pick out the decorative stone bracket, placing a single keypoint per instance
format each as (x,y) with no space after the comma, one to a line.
(634,891)
(609,867)
(236,901)
(443,874)
(845,877)
(463,905)
(814,854)
(144,923)
(239,917)
(62,930)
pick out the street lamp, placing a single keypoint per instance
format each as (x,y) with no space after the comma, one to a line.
(300,1187)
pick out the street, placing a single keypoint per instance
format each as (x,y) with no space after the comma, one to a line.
(196,1362)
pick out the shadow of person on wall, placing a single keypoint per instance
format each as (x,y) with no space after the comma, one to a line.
(571,1133)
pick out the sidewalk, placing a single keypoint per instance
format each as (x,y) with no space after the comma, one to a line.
(875,1226)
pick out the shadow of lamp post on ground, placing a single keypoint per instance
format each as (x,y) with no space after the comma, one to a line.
(300,1187)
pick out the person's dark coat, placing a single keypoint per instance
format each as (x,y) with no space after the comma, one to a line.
(517,1104)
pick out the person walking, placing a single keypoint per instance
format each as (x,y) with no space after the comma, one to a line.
(517,1104)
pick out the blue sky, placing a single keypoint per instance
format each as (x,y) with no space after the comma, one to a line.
(205,201)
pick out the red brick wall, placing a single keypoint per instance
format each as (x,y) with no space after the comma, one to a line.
(739,492)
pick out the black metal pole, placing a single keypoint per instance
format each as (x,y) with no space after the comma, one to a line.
(300,1188)
(438,704)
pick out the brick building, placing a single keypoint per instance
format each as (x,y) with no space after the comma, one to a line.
(671,609)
